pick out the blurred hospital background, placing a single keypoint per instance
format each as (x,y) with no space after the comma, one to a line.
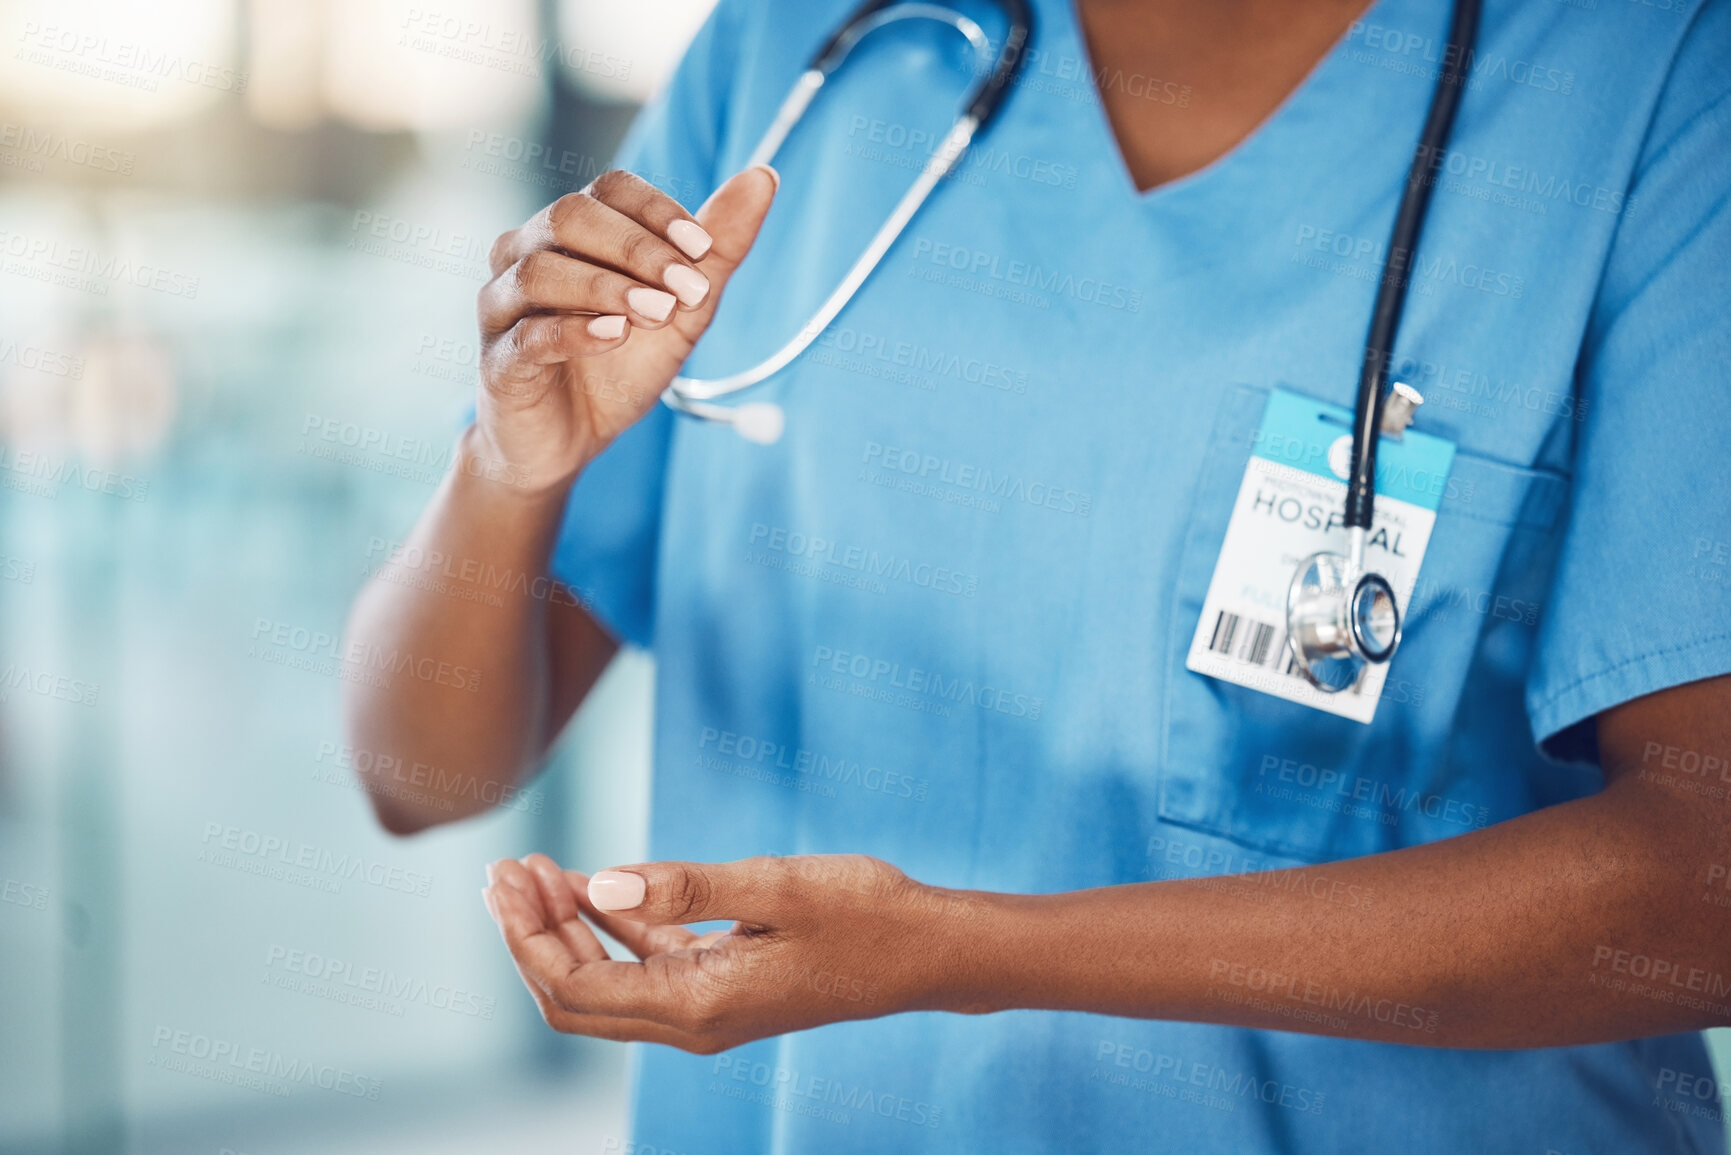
(239,246)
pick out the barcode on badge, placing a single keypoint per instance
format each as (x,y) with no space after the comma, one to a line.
(1255,643)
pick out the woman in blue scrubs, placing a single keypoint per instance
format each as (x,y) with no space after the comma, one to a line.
(989,866)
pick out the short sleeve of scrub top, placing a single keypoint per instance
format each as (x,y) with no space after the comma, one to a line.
(1641,600)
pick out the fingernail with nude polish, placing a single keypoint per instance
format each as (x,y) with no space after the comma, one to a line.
(609,327)
(773,175)
(689,285)
(652,303)
(616,890)
(492,873)
(690,237)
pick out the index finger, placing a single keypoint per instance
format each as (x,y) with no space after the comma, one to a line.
(625,193)
(630,194)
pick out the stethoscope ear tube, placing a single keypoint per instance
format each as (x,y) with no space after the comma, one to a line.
(763,422)
(991,97)
(1397,263)
(1339,617)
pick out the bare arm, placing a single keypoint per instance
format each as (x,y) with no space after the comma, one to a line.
(1585,922)
(431,752)
(469,660)
(1591,921)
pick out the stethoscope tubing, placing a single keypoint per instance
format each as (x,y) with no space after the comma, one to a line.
(694,395)
(1397,263)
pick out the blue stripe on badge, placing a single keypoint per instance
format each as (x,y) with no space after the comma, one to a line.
(1304,434)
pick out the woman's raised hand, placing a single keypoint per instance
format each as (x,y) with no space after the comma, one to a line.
(594,305)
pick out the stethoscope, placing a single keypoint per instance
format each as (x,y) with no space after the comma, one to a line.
(1340,617)
(762,421)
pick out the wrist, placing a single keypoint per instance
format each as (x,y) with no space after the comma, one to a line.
(967,942)
(478,465)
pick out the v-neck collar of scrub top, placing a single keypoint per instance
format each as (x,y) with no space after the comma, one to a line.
(1261,148)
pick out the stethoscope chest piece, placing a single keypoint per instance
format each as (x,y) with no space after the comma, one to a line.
(1339,620)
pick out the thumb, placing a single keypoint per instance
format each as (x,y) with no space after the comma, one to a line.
(749,890)
(732,217)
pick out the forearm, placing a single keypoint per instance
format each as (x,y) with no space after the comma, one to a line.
(450,698)
(1505,937)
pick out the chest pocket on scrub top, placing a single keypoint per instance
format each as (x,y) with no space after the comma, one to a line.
(1290,780)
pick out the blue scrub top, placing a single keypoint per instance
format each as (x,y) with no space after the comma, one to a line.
(944,620)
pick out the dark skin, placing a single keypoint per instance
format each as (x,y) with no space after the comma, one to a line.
(1240,58)
(1583,922)
(1580,923)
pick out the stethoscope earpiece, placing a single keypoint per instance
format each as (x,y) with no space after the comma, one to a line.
(760,422)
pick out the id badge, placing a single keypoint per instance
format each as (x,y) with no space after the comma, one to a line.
(1290,505)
